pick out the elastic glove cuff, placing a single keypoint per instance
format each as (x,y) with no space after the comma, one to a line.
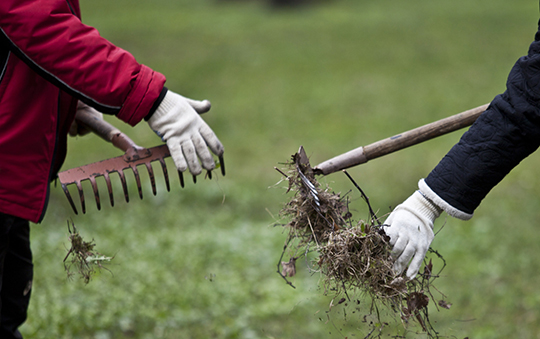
(439,202)
(167,104)
(422,207)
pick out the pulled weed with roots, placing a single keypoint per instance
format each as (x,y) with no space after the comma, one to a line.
(82,256)
(354,257)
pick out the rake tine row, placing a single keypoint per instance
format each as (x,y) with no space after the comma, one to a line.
(106,176)
(133,156)
(92,178)
(118,165)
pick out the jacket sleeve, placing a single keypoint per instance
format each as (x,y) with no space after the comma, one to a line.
(506,133)
(49,36)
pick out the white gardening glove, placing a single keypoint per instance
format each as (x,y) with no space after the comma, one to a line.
(410,228)
(177,121)
(75,129)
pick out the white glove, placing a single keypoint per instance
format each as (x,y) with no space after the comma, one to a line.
(75,129)
(410,228)
(177,121)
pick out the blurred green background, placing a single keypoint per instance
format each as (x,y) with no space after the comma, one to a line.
(200,262)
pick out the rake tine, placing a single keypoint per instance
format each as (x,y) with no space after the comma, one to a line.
(81,196)
(209,174)
(222,163)
(194,179)
(311,188)
(165,174)
(181,176)
(109,187)
(151,175)
(124,185)
(96,192)
(138,179)
(69,199)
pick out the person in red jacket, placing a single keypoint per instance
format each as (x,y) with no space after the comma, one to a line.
(50,63)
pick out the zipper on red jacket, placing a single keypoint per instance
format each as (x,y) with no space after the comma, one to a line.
(4,57)
(52,173)
(70,8)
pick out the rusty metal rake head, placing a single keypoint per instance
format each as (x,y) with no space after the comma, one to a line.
(117,165)
(131,160)
(134,156)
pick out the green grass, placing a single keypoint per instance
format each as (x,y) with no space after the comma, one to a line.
(200,262)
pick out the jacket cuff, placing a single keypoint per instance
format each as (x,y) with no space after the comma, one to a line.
(451,210)
(146,90)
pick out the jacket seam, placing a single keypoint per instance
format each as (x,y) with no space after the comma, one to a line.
(4,67)
(55,80)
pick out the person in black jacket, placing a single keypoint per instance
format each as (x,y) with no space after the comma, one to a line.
(506,133)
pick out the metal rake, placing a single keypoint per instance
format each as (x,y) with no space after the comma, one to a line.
(134,156)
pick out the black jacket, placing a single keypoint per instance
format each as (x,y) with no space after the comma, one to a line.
(506,133)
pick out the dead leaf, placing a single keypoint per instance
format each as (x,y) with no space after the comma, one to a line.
(417,301)
(445,304)
(289,268)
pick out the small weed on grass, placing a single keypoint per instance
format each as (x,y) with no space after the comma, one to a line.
(82,257)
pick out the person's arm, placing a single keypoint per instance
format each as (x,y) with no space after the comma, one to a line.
(49,37)
(502,136)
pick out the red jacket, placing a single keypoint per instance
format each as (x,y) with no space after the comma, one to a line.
(48,60)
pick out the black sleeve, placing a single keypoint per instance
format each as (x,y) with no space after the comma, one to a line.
(502,136)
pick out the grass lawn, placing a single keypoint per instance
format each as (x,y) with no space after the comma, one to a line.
(200,262)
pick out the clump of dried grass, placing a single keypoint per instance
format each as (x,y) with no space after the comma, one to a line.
(358,258)
(310,222)
(353,256)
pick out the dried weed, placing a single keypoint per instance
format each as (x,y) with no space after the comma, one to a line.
(354,257)
(82,257)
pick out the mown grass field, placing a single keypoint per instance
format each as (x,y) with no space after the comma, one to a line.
(200,262)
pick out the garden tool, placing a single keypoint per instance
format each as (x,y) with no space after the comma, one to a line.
(306,172)
(134,156)
(412,137)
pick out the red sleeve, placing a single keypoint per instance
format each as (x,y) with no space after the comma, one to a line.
(49,36)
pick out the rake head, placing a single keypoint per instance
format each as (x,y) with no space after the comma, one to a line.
(133,157)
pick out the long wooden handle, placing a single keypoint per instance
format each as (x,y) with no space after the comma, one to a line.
(415,136)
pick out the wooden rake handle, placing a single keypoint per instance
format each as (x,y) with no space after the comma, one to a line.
(412,137)
(111,134)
